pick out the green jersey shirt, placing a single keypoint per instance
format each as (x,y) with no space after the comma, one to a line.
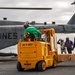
(32,30)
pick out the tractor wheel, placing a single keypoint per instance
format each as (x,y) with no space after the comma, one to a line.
(41,66)
(54,62)
(19,68)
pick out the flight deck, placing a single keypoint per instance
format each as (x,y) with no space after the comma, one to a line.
(64,68)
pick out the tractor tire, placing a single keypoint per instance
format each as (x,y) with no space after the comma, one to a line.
(19,68)
(54,62)
(41,66)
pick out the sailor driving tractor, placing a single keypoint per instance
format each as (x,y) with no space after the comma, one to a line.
(30,33)
(37,54)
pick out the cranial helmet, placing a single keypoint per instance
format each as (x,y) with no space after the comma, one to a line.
(26,24)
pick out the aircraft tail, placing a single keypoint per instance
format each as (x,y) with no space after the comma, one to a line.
(72,20)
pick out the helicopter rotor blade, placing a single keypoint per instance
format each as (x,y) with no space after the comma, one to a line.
(73,3)
(17,8)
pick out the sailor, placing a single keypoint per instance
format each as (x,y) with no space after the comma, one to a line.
(31,32)
(62,45)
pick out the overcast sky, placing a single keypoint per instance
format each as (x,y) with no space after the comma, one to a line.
(61,13)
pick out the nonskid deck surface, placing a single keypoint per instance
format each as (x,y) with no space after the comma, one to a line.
(9,68)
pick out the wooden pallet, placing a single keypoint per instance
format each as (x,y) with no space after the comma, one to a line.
(66,57)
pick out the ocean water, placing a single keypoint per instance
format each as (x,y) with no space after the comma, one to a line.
(13,49)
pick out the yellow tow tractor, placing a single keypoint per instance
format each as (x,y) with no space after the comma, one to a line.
(38,54)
